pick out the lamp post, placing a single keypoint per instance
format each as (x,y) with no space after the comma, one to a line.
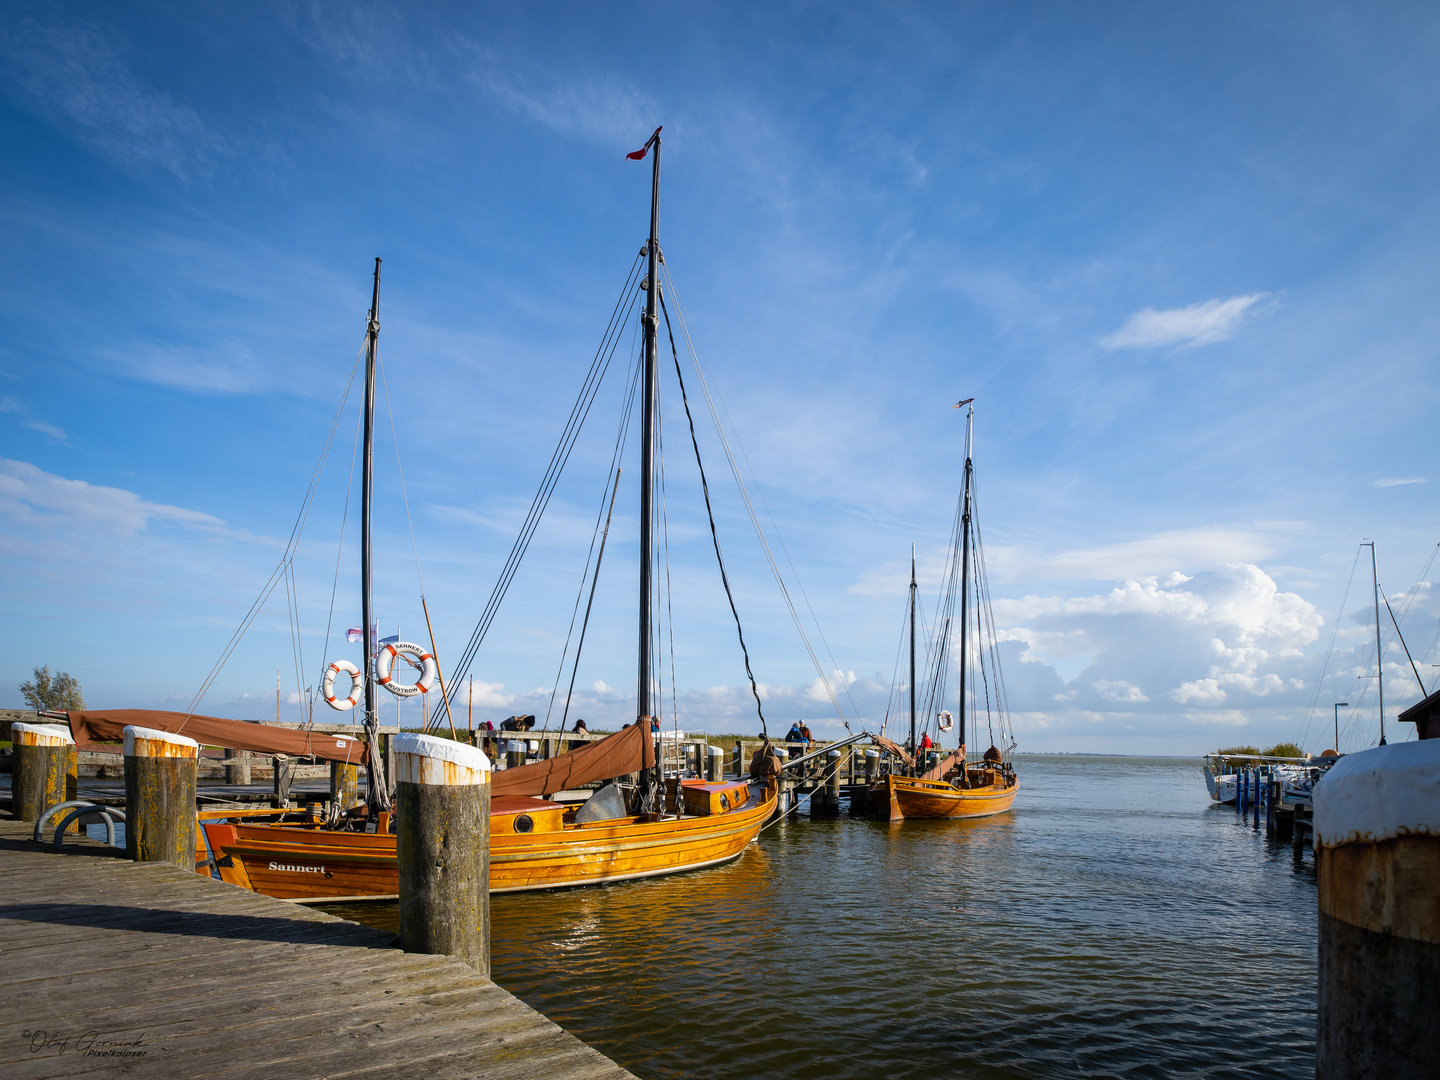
(1338,706)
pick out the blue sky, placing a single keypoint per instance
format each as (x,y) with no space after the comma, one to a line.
(1182,255)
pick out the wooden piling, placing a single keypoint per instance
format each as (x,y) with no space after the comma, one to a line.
(237,766)
(514,753)
(1377,859)
(160,775)
(442,843)
(715,764)
(283,768)
(872,766)
(44,770)
(344,784)
(742,766)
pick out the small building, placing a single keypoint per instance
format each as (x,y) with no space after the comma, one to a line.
(1425,715)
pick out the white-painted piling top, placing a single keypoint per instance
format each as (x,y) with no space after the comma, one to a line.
(152,742)
(427,759)
(1380,794)
(23,734)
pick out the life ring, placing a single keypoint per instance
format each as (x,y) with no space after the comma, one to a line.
(944,720)
(385,660)
(357,686)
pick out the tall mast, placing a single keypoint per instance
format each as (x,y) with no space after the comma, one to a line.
(965,565)
(647,437)
(1379,665)
(914,746)
(377,790)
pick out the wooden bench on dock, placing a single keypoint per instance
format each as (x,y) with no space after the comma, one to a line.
(108,966)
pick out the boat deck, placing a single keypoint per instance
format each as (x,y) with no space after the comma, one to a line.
(109,966)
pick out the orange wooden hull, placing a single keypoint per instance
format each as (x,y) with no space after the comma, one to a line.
(318,865)
(911,797)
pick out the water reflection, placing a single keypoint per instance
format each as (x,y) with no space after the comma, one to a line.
(1115,923)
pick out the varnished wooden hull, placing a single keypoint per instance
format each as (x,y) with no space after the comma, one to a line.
(911,797)
(318,865)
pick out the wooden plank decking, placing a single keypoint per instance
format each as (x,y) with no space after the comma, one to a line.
(108,967)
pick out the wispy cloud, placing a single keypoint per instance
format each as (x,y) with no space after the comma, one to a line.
(1399,481)
(1198,324)
(24,418)
(602,109)
(1156,554)
(75,76)
(31,498)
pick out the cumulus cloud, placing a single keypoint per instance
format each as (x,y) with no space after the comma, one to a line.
(1119,690)
(1198,324)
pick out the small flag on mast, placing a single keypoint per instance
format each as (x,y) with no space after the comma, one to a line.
(354,634)
(965,402)
(639,155)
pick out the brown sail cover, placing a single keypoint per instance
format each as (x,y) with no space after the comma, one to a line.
(108,725)
(629,750)
(952,759)
(894,748)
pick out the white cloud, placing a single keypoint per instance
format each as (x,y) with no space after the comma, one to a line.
(26,420)
(599,687)
(1198,692)
(75,75)
(1119,690)
(1399,481)
(1198,324)
(31,498)
(1156,554)
(602,109)
(488,695)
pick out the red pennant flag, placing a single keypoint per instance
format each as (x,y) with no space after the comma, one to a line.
(965,402)
(639,155)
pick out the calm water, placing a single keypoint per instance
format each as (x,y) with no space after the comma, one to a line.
(1115,923)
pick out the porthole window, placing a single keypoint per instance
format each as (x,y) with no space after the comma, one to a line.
(524,823)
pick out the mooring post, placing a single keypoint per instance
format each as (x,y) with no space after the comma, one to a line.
(160,775)
(1259,794)
(872,765)
(442,844)
(715,771)
(237,766)
(514,754)
(783,782)
(740,763)
(284,771)
(344,784)
(1377,860)
(44,771)
(825,800)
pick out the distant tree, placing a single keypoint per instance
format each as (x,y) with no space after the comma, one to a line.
(59,692)
(1228,750)
(1285,749)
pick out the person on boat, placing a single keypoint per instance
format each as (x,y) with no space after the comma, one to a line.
(805,735)
(926,743)
(794,735)
(580,728)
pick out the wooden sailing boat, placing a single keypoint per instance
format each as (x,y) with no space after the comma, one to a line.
(952,787)
(535,842)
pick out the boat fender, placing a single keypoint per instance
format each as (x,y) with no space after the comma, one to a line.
(357,685)
(385,661)
(945,720)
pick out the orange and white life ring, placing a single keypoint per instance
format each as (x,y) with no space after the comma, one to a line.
(357,686)
(944,720)
(385,661)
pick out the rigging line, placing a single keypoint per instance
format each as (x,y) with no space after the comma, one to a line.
(1423,692)
(750,509)
(1325,664)
(714,534)
(820,629)
(292,603)
(1414,592)
(306,503)
(611,476)
(344,519)
(404,495)
(665,534)
(631,381)
(895,671)
(580,645)
(571,432)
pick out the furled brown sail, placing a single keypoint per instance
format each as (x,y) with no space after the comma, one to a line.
(629,750)
(108,725)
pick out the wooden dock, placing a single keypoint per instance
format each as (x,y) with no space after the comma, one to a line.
(109,966)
